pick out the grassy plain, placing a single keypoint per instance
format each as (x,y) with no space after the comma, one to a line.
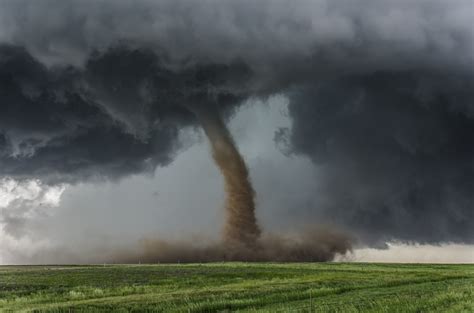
(243,287)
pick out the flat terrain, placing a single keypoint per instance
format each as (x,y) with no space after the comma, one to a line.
(243,287)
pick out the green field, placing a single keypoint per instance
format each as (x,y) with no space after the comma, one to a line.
(243,287)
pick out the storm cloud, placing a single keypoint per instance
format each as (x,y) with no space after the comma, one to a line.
(67,124)
(395,150)
(380,96)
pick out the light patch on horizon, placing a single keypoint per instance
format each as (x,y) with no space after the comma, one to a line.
(21,201)
(414,253)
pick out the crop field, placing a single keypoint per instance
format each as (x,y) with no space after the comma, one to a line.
(242,287)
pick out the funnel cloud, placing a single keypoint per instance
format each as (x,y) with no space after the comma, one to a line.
(241,225)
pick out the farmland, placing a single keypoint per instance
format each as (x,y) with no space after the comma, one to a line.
(243,287)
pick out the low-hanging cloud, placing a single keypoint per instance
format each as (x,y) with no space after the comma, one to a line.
(70,124)
(380,96)
(395,151)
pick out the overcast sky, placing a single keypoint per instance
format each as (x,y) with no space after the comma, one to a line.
(354,117)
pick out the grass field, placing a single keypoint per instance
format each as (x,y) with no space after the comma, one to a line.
(243,287)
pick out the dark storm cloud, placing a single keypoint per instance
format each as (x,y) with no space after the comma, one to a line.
(380,95)
(396,152)
(274,36)
(117,116)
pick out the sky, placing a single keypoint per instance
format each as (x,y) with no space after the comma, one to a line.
(355,118)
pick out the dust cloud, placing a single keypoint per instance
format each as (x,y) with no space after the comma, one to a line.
(242,238)
(311,245)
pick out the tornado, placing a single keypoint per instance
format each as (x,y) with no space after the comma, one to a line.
(241,226)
